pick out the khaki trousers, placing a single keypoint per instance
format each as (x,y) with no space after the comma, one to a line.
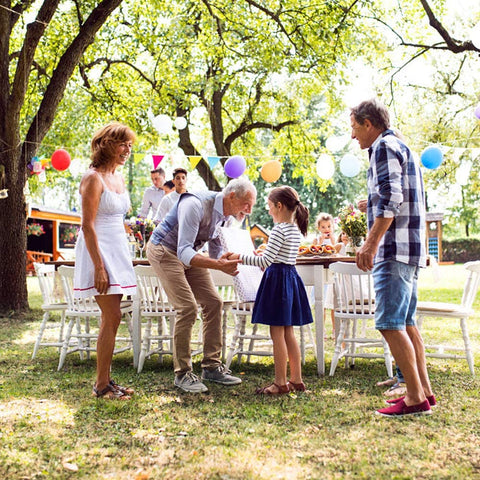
(186,288)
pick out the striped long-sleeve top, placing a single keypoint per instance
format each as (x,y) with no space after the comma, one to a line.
(282,247)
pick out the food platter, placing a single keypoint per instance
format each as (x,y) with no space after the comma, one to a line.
(316,250)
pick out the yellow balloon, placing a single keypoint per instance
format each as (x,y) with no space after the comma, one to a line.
(271,171)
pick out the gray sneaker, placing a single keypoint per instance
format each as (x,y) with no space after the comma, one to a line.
(189,382)
(221,374)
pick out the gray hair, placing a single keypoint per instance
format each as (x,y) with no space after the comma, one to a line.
(240,186)
(372,110)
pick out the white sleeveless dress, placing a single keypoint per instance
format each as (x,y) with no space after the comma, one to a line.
(113,245)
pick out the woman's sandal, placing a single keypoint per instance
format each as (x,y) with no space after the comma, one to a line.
(124,390)
(281,390)
(109,393)
(296,387)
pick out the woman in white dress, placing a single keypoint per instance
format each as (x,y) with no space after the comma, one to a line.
(103,266)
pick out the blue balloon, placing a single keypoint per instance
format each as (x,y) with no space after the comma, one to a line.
(432,157)
(235,166)
(350,165)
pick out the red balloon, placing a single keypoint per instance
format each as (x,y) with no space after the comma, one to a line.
(60,159)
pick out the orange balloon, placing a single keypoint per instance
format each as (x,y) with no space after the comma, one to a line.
(271,171)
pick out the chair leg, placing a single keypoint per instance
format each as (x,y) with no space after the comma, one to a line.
(241,337)
(62,328)
(40,334)
(239,321)
(81,346)
(251,344)
(66,343)
(145,345)
(337,354)
(468,348)
(224,332)
(388,358)
(302,344)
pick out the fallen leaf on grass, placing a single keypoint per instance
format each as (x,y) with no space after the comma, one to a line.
(141,475)
(72,467)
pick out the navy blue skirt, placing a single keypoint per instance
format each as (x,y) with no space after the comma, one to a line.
(282,298)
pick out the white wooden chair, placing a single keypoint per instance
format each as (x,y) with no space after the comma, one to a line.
(51,303)
(354,306)
(450,310)
(157,331)
(79,312)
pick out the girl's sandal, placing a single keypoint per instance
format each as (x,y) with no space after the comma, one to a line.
(296,387)
(281,390)
(124,390)
(109,393)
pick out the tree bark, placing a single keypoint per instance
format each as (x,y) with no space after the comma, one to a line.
(14,153)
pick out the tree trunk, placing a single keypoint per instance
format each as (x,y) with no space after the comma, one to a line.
(15,154)
(13,240)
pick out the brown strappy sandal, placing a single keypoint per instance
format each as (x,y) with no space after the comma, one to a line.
(124,390)
(296,387)
(109,393)
(281,390)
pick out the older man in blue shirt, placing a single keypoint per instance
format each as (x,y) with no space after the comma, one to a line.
(173,253)
(394,249)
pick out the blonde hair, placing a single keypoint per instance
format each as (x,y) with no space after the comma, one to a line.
(106,140)
(324,217)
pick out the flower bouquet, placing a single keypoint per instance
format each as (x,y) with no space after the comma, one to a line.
(35,229)
(141,229)
(354,224)
(69,234)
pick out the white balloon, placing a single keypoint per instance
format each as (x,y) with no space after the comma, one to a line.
(162,124)
(463,173)
(180,123)
(350,165)
(335,144)
(325,166)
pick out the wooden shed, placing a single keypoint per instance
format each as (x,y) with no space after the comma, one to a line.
(258,234)
(434,234)
(58,240)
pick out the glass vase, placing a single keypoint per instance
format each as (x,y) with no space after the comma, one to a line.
(353,245)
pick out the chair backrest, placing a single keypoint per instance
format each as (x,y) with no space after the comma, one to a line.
(471,284)
(225,285)
(354,290)
(46,279)
(81,306)
(150,291)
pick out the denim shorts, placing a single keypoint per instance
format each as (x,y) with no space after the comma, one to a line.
(395,285)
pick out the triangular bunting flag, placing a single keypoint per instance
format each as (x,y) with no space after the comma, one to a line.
(156,160)
(194,160)
(212,161)
(137,157)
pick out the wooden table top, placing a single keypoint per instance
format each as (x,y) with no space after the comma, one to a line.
(324,260)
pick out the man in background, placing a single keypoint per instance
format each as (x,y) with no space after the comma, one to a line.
(169,200)
(153,195)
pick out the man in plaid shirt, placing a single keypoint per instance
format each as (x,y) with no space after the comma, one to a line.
(394,250)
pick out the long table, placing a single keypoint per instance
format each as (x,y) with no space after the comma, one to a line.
(314,272)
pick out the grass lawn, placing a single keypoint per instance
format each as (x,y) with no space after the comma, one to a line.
(50,426)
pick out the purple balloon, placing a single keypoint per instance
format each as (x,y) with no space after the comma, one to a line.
(235,166)
(477,111)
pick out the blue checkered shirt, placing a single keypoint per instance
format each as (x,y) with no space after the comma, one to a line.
(395,189)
